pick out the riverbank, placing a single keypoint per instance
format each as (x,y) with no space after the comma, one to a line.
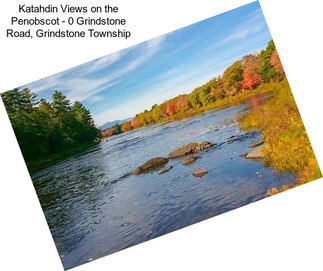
(35,166)
(286,145)
(238,99)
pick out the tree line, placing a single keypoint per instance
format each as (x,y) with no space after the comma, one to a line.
(45,129)
(245,74)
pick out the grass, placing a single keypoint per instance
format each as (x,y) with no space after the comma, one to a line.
(287,147)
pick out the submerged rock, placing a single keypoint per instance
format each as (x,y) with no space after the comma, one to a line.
(199,172)
(256,144)
(152,164)
(255,154)
(189,160)
(234,136)
(184,150)
(165,170)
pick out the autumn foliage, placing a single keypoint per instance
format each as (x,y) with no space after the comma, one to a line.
(275,62)
(170,108)
(251,75)
(242,76)
(134,122)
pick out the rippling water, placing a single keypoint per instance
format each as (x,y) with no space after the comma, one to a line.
(95,207)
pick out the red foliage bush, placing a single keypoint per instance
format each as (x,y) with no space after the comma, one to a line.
(170,108)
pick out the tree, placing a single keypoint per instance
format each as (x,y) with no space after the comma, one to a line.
(157,113)
(205,95)
(195,99)
(276,63)
(60,105)
(183,102)
(126,126)
(42,128)
(251,74)
(267,71)
(170,108)
(135,122)
(116,129)
(232,78)
(217,90)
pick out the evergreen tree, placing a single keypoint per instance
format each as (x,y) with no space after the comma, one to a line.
(42,128)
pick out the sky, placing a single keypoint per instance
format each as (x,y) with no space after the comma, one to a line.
(122,84)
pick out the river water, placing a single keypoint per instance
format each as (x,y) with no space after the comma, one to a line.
(95,207)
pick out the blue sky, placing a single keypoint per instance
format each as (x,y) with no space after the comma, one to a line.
(122,84)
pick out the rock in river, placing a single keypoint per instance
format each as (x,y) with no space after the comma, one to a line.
(244,154)
(205,145)
(150,165)
(189,160)
(255,154)
(199,172)
(256,144)
(190,149)
(184,150)
(165,170)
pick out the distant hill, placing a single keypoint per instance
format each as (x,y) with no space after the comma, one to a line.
(112,123)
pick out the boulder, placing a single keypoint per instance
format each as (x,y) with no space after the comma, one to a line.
(189,160)
(255,154)
(152,164)
(199,172)
(165,170)
(184,150)
(256,144)
(190,149)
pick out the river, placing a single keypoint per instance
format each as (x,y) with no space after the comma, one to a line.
(95,207)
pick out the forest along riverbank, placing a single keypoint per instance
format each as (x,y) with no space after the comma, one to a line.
(48,132)
(95,206)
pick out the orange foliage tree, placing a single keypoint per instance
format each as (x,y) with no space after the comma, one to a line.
(251,75)
(134,122)
(183,102)
(275,62)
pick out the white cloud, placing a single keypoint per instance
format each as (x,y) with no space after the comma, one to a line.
(254,23)
(77,85)
(173,82)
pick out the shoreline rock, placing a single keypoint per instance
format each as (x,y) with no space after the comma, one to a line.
(255,154)
(151,165)
(199,172)
(256,144)
(244,154)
